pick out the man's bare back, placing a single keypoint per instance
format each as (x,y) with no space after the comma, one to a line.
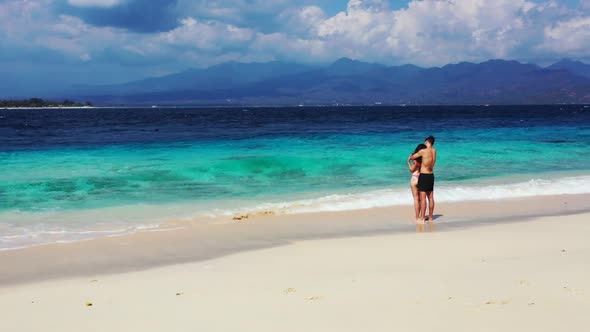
(428,160)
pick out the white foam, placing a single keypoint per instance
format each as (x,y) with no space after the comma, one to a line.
(444,193)
(20,237)
(25,229)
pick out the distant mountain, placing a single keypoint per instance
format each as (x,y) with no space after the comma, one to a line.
(346,66)
(348,81)
(575,67)
(226,75)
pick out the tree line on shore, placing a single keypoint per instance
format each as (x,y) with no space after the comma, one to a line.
(38,102)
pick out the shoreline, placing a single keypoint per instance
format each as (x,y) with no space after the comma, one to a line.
(199,240)
(49,107)
(521,274)
(72,225)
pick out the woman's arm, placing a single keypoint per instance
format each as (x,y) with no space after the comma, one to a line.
(412,166)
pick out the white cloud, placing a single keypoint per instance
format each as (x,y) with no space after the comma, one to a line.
(245,13)
(426,32)
(210,35)
(571,37)
(282,46)
(429,31)
(70,26)
(436,32)
(95,3)
(375,6)
(302,21)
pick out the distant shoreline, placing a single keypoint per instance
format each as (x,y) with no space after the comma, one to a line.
(47,107)
(41,103)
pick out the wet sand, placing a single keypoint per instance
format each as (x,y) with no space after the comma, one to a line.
(183,242)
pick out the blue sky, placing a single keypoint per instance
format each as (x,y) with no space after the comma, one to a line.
(46,45)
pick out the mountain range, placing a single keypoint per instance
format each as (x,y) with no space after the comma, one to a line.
(354,82)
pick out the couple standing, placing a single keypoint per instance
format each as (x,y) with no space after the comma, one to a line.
(421,164)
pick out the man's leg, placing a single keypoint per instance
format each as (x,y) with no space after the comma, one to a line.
(430,207)
(422,206)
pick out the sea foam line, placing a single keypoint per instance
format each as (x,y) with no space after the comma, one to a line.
(40,237)
(337,202)
(402,196)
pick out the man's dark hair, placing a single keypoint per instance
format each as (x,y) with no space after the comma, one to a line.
(430,139)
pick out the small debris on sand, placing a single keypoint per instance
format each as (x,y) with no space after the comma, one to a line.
(254,214)
(314,298)
(524,282)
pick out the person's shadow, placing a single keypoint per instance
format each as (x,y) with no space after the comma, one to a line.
(422,228)
(431,225)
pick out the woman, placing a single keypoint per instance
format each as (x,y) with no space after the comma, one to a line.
(414,167)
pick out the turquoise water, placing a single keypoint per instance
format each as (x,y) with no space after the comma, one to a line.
(264,168)
(57,169)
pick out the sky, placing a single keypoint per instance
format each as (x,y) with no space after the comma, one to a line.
(48,44)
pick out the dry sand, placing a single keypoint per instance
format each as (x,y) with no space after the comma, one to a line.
(516,273)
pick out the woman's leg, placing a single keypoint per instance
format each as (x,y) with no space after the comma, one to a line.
(416,197)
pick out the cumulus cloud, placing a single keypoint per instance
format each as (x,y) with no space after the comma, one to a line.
(146,16)
(95,3)
(427,31)
(436,32)
(206,36)
(284,47)
(570,37)
(165,35)
(302,21)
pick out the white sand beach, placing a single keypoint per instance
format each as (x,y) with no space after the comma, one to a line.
(511,271)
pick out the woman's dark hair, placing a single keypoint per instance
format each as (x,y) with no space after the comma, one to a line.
(418,148)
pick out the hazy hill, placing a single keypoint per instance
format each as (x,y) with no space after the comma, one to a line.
(575,67)
(230,74)
(348,81)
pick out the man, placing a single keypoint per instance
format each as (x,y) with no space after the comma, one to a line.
(426,179)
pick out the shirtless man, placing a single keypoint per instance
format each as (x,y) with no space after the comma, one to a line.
(426,179)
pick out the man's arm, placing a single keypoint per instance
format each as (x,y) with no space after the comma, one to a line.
(416,155)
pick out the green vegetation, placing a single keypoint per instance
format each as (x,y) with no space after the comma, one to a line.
(38,102)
